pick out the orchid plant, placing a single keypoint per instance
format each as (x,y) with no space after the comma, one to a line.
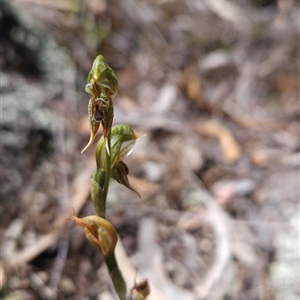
(112,148)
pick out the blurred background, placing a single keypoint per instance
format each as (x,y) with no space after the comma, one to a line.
(214,85)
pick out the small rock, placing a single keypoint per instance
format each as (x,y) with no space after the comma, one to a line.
(67,286)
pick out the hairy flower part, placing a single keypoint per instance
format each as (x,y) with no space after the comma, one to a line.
(100,232)
(122,141)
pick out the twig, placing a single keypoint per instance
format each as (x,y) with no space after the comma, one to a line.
(81,191)
(213,286)
(130,273)
(220,274)
(153,257)
(62,184)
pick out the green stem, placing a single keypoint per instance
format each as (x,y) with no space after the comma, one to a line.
(116,276)
(111,262)
(97,182)
(108,171)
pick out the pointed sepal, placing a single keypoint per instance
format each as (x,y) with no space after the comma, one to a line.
(94,123)
(119,173)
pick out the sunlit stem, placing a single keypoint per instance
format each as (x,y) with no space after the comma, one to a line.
(108,169)
(97,182)
(111,262)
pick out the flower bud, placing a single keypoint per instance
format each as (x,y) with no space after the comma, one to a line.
(101,75)
(140,291)
(100,232)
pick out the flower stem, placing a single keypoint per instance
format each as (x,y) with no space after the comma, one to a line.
(97,182)
(108,170)
(116,276)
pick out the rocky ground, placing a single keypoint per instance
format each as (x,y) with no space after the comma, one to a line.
(215,87)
